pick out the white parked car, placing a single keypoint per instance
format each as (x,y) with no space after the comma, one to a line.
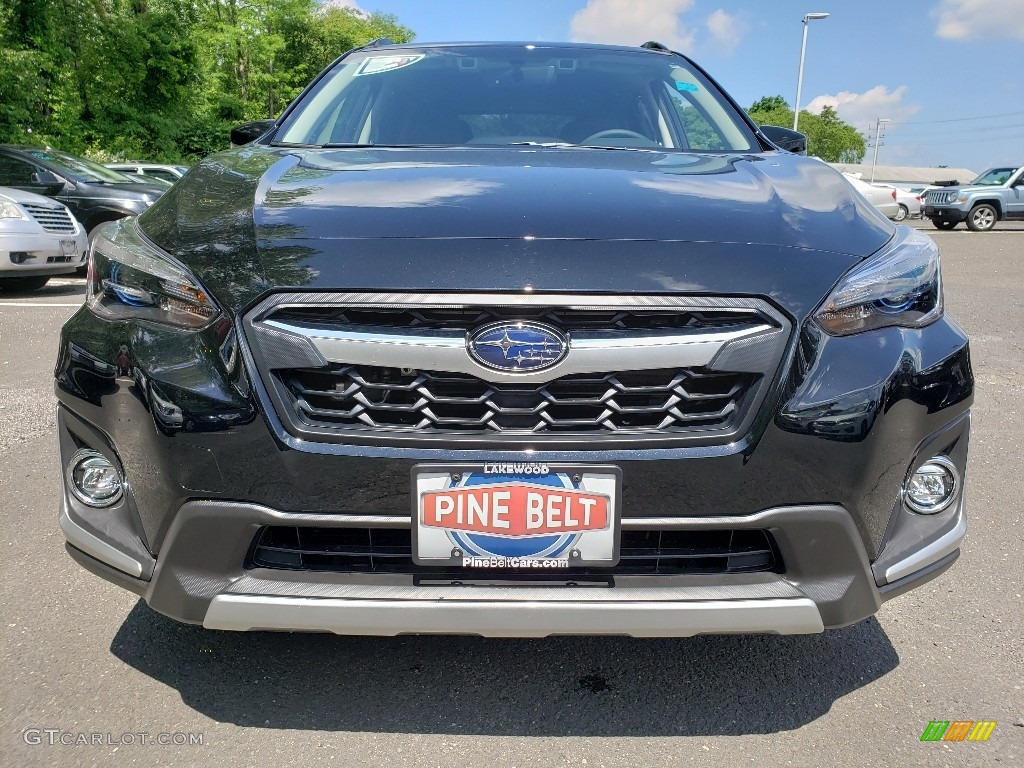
(151,171)
(908,201)
(39,238)
(883,198)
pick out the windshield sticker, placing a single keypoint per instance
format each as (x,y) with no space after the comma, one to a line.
(686,86)
(377,64)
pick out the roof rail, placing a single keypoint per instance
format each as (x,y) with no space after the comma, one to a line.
(654,45)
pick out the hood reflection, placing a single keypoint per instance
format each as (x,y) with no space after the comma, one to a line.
(377,193)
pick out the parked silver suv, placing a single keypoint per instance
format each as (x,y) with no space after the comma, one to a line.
(996,195)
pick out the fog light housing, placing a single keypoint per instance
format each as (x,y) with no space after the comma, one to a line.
(93,479)
(933,486)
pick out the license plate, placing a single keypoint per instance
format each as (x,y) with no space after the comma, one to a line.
(516,515)
(68,247)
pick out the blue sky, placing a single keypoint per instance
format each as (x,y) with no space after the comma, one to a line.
(948,73)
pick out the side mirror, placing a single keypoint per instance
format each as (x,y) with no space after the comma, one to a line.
(786,139)
(249,132)
(49,181)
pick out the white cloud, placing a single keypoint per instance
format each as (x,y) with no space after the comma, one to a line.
(862,109)
(339,4)
(631,22)
(726,31)
(965,19)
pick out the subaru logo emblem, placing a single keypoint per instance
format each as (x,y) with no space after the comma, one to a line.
(517,346)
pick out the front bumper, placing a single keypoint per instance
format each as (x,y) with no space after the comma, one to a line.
(201,578)
(526,617)
(821,469)
(936,213)
(40,253)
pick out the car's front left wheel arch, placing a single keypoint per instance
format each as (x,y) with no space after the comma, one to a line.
(982,217)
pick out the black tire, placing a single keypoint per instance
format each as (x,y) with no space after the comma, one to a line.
(23,284)
(943,223)
(902,213)
(982,218)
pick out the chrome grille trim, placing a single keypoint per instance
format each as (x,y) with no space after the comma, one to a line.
(56,219)
(589,351)
(940,198)
(397,300)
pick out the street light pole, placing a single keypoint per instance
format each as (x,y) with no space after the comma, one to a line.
(874,155)
(809,17)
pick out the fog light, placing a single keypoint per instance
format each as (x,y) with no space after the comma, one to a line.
(93,479)
(933,486)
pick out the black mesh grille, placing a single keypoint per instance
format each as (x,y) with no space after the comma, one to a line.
(389,550)
(392,398)
(56,220)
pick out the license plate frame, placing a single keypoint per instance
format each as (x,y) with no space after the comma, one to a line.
(555,482)
(68,248)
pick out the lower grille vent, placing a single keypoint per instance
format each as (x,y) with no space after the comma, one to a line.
(389,550)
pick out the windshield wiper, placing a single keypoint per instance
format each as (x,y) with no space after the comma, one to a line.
(542,144)
(570,145)
(556,144)
(355,145)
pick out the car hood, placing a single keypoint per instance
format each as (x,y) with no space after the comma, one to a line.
(21,196)
(505,219)
(969,188)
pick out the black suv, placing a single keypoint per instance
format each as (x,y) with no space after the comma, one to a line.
(94,194)
(514,340)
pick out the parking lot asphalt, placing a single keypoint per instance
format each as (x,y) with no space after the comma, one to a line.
(80,656)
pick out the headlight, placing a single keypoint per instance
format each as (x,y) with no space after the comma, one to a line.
(11,211)
(130,280)
(900,286)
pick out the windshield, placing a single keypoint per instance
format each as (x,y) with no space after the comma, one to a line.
(514,95)
(994,178)
(78,168)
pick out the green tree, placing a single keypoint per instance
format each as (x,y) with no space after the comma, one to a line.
(828,137)
(162,79)
(38,88)
(261,53)
(110,76)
